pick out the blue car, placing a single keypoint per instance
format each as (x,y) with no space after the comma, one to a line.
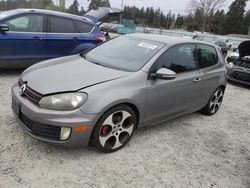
(31,35)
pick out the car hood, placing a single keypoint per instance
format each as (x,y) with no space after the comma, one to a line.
(67,74)
(244,49)
(234,54)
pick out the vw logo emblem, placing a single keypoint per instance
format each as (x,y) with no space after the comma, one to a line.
(22,89)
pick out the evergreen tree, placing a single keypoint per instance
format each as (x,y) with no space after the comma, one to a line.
(94,4)
(235,17)
(218,23)
(179,21)
(74,8)
(247,23)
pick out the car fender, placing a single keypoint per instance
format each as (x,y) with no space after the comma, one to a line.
(131,89)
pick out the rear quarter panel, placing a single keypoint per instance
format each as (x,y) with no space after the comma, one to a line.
(213,77)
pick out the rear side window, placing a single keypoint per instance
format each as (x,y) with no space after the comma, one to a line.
(61,25)
(84,27)
(207,55)
(180,58)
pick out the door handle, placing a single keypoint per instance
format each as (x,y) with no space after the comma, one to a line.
(197,80)
(37,38)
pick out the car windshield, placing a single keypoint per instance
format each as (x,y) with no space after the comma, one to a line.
(125,53)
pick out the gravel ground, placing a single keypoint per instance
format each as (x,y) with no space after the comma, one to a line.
(191,151)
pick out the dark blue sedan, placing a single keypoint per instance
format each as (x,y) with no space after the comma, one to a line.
(28,36)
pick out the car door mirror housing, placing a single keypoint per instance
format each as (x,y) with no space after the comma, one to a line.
(165,74)
(4,28)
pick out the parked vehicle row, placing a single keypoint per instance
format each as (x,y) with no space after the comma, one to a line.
(234,56)
(31,35)
(223,46)
(102,96)
(240,68)
(143,80)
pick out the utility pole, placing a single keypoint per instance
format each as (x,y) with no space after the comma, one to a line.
(121,14)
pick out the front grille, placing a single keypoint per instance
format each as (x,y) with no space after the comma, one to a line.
(31,94)
(41,130)
(241,76)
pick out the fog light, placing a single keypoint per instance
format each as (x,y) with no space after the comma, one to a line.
(65,132)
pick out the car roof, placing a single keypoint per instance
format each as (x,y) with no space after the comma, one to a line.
(167,39)
(52,13)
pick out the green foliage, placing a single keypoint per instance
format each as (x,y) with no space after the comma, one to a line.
(149,17)
(74,7)
(218,23)
(235,17)
(94,4)
(247,23)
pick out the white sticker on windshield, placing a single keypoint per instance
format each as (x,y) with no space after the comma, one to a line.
(148,46)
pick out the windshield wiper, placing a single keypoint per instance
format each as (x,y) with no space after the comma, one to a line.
(97,63)
(83,55)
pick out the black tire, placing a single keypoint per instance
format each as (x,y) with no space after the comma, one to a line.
(118,132)
(210,109)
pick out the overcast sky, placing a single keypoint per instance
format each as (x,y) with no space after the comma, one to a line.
(176,6)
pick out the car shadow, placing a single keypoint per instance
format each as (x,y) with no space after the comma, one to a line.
(11,72)
(140,134)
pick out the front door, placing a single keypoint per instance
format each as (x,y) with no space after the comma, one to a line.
(167,98)
(24,42)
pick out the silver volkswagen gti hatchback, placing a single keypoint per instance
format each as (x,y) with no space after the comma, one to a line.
(102,96)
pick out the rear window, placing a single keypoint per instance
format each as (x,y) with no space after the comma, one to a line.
(84,27)
(61,25)
(207,55)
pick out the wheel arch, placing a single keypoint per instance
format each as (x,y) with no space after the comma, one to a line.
(223,87)
(133,106)
(135,109)
(129,104)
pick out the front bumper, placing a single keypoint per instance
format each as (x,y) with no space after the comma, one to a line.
(33,119)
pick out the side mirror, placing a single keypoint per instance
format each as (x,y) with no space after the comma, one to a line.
(4,28)
(165,74)
(230,66)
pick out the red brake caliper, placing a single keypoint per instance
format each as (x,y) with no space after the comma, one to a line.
(104,130)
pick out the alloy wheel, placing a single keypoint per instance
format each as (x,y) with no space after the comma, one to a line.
(116,130)
(216,101)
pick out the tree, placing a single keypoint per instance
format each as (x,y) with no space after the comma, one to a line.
(82,11)
(157,18)
(94,4)
(235,17)
(247,22)
(207,9)
(179,23)
(218,23)
(74,8)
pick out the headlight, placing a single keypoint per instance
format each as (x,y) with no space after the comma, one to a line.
(64,101)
